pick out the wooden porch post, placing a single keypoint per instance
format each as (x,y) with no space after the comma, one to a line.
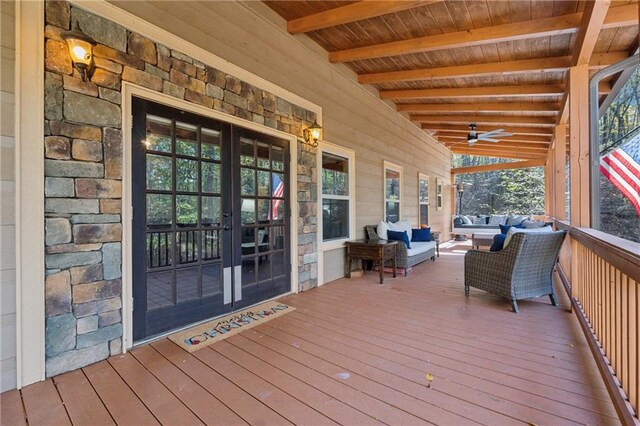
(548,184)
(559,161)
(579,144)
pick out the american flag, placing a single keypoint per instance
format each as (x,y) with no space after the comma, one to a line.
(278,191)
(622,167)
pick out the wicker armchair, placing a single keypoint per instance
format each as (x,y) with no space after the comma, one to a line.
(521,270)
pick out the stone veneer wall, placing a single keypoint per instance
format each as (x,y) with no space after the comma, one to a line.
(83,173)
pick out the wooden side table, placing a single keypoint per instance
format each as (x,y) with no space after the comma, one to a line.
(377,250)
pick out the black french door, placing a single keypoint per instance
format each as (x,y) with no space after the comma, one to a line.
(210,218)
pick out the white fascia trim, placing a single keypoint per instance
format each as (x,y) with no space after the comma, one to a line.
(155,33)
(128,91)
(29,178)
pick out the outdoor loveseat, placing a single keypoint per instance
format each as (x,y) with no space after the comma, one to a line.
(523,269)
(406,258)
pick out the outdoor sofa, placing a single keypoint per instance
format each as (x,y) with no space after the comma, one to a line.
(467,225)
(408,257)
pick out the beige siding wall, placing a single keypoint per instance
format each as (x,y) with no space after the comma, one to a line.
(253,37)
(7,200)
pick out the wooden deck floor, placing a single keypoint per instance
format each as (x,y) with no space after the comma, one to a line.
(353,352)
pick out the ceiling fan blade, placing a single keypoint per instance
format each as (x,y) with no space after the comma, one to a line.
(492,132)
(488,140)
(472,141)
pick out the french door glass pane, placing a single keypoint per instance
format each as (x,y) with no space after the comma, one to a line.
(210,177)
(277,158)
(159,172)
(262,155)
(187,175)
(188,246)
(186,139)
(187,210)
(187,284)
(159,249)
(158,134)
(248,211)
(248,181)
(211,280)
(159,289)
(211,211)
(210,146)
(159,210)
(263,183)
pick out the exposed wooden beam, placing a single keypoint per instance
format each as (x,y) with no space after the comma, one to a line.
(558,63)
(603,60)
(351,13)
(593,18)
(482,106)
(507,32)
(484,119)
(476,92)
(556,25)
(542,131)
(498,147)
(499,166)
(489,153)
(544,140)
(591,24)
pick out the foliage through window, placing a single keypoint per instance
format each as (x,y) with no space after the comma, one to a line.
(335,197)
(619,157)
(392,191)
(517,191)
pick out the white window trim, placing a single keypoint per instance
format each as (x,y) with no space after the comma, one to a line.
(387,165)
(350,155)
(323,246)
(423,176)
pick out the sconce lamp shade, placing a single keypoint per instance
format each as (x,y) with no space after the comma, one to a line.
(81,50)
(312,134)
(460,187)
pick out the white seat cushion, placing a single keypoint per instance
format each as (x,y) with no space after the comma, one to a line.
(418,247)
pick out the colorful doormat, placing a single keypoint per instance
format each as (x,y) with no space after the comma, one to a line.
(208,333)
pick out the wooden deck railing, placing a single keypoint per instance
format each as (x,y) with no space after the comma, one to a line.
(602,275)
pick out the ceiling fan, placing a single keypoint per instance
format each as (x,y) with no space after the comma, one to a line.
(474,136)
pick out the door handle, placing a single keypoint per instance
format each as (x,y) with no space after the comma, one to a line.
(226,227)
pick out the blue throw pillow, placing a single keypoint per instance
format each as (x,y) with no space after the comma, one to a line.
(498,242)
(399,236)
(422,234)
(505,228)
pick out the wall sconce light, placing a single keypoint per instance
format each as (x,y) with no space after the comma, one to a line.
(81,50)
(312,134)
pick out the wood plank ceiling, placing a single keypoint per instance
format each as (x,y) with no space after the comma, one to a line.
(500,64)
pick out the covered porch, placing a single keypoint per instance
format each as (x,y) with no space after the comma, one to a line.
(176,178)
(353,352)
